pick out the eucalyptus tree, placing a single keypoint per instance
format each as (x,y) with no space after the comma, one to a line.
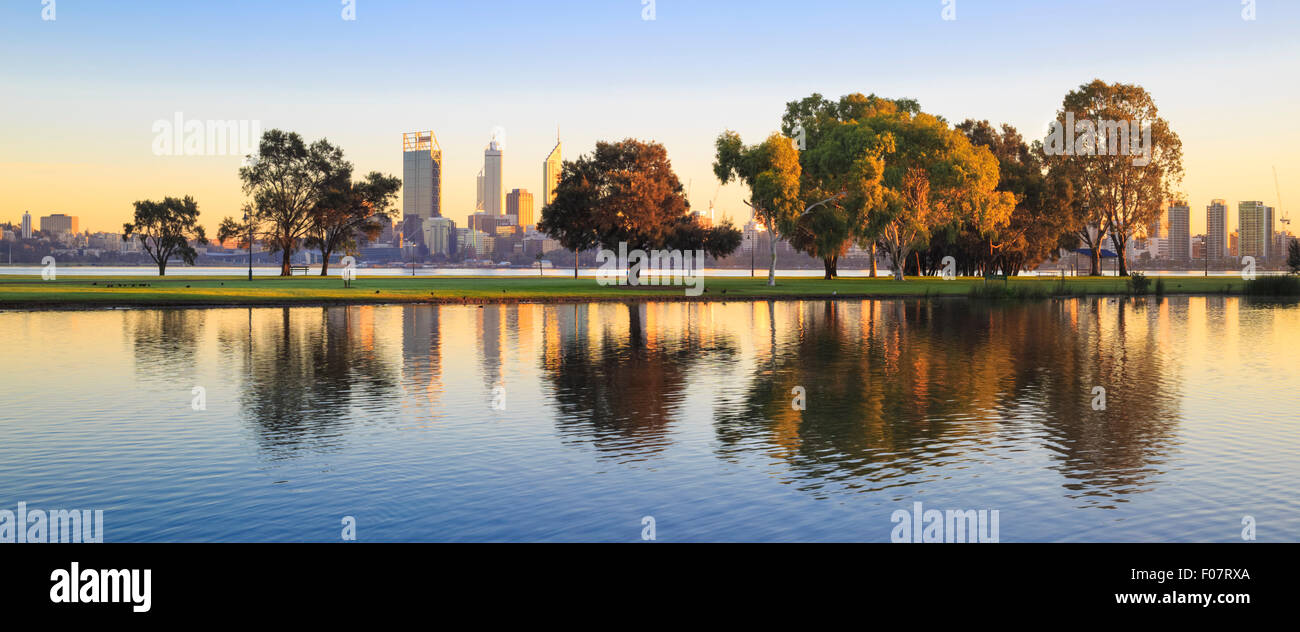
(165,229)
(1122,159)
(772,172)
(903,174)
(349,210)
(1040,224)
(626,192)
(287,180)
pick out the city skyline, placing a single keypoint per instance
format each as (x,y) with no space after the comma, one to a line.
(1230,151)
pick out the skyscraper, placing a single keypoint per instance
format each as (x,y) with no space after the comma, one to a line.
(421,175)
(27,225)
(519,203)
(1255,224)
(551,173)
(478,197)
(492,179)
(1216,229)
(1179,232)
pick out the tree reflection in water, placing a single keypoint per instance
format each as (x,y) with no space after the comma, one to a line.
(621,388)
(309,374)
(897,388)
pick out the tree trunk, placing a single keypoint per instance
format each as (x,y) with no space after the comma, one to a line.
(900,259)
(771,270)
(1120,251)
(1096,262)
(828,267)
(162,268)
(873,258)
(575,263)
(284,262)
(325,261)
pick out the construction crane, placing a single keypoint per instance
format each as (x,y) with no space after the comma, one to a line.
(1285,220)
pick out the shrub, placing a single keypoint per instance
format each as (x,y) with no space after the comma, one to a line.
(1138,283)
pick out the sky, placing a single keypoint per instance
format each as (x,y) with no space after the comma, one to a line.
(82,92)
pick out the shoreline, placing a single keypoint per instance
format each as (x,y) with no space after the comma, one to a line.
(90,306)
(89,293)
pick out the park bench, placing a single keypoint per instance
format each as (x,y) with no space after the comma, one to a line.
(988,276)
(294,269)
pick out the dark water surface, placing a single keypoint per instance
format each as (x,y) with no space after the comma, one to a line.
(678,411)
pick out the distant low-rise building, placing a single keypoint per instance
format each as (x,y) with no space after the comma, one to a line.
(475,244)
(59,223)
(440,236)
(108,242)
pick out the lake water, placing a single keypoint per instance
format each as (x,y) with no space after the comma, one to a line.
(576,421)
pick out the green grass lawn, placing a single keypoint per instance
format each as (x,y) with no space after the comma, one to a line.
(69,291)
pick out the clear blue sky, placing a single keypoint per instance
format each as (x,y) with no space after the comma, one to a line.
(82,91)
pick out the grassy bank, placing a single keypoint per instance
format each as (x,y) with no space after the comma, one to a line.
(32,292)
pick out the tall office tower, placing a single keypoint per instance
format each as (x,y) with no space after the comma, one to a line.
(551,173)
(1253,219)
(59,223)
(1179,232)
(519,203)
(421,175)
(27,225)
(478,197)
(1216,229)
(492,179)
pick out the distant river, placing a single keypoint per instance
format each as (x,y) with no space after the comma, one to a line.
(578,421)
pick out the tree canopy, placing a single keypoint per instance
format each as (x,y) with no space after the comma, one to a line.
(350,209)
(1039,225)
(165,229)
(627,192)
(1121,160)
(771,171)
(287,180)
